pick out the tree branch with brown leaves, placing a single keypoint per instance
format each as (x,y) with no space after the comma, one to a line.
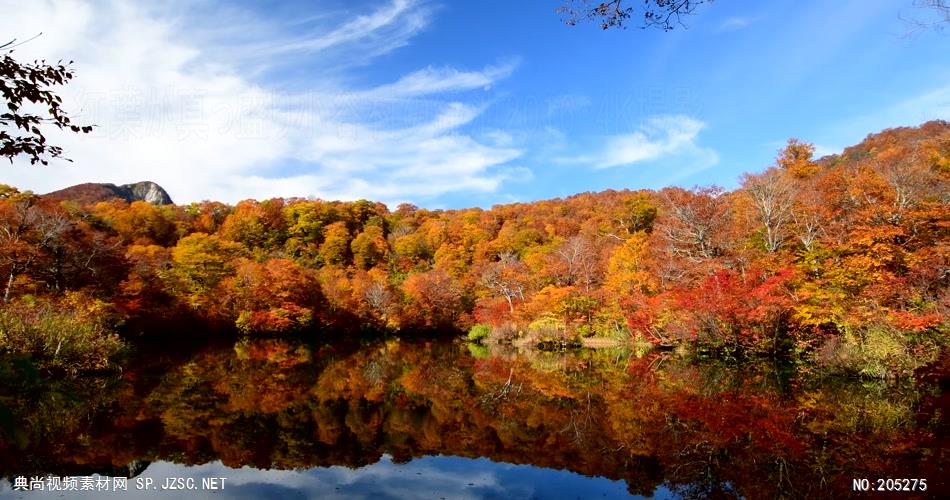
(26,87)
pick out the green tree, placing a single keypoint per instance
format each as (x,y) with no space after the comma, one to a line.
(369,247)
(199,262)
(336,244)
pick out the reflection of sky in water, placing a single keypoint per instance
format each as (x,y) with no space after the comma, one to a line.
(428,477)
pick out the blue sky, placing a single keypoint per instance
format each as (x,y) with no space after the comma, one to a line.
(424,477)
(456,103)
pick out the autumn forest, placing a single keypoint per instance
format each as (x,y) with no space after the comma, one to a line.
(427,249)
(838,262)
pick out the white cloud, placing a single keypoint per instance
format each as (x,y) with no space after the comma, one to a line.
(658,137)
(734,23)
(395,16)
(825,150)
(435,80)
(175,106)
(665,145)
(273,37)
(929,104)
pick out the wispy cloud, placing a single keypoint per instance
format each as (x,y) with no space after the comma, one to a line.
(280,37)
(437,80)
(657,138)
(172,108)
(734,23)
(383,23)
(825,150)
(664,147)
(928,104)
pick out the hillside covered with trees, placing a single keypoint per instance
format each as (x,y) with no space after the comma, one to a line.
(844,260)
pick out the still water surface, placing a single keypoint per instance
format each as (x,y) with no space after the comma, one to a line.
(438,419)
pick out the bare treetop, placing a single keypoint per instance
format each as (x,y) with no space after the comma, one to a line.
(930,15)
(663,14)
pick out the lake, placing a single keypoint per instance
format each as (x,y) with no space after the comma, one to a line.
(268,418)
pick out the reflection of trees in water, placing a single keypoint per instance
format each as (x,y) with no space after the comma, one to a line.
(704,430)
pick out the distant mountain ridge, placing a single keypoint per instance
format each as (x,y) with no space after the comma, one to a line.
(91,192)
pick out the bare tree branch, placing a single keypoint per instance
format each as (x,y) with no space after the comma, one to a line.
(663,14)
(936,16)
